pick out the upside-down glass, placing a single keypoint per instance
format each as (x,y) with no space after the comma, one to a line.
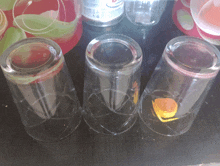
(58,20)
(179,85)
(144,13)
(112,82)
(42,89)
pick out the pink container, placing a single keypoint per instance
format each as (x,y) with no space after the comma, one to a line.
(198,19)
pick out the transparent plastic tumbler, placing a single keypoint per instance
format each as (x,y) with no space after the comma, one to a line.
(42,89)
(144,12)
(112,82)
(179,85)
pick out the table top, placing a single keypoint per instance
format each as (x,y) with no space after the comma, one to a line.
(201,144)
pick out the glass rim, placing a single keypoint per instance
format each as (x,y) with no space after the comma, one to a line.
(126,41)
(9,68)
(206,72)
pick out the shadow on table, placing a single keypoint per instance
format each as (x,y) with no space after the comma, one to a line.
(135,147)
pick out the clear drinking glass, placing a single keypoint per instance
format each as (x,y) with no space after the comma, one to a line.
(58,20)
(42,89)
(144,13)
(112,82)
(179,85)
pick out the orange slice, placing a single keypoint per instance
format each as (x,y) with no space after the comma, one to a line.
(165,108)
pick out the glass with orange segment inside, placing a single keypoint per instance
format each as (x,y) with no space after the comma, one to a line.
(178,86)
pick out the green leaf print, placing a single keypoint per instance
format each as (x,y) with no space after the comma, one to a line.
(6,4)
(42,26)
(11,36)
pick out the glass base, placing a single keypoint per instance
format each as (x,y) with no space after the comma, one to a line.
(164,129)
(53,130)
(170,126)
(114,125)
